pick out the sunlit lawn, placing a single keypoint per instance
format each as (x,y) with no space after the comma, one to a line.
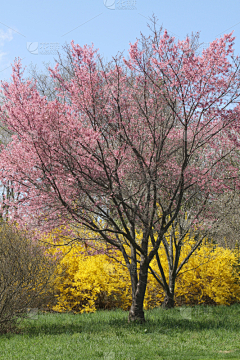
(186,333)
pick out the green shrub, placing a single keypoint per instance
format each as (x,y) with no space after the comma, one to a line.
(25,275)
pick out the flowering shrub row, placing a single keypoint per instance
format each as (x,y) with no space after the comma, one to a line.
(87,282)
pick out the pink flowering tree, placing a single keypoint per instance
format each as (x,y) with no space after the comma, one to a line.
(127,148)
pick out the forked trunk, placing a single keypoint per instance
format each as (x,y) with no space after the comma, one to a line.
(136,312)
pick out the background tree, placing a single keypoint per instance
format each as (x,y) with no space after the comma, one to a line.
(6,190)
(125,144)
(226,230)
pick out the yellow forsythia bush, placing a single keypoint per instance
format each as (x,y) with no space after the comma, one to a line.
(89,282)
(211,276)
(86,283)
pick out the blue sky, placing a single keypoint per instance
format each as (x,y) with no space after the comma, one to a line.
(26,25)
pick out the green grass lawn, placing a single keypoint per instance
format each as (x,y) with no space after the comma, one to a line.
(181,334)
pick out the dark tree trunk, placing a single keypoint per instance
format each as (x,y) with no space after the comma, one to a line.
(136,312)
(168,302)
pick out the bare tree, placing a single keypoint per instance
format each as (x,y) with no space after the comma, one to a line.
(25,276)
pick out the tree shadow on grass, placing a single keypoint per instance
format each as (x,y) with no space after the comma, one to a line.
(90,324)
